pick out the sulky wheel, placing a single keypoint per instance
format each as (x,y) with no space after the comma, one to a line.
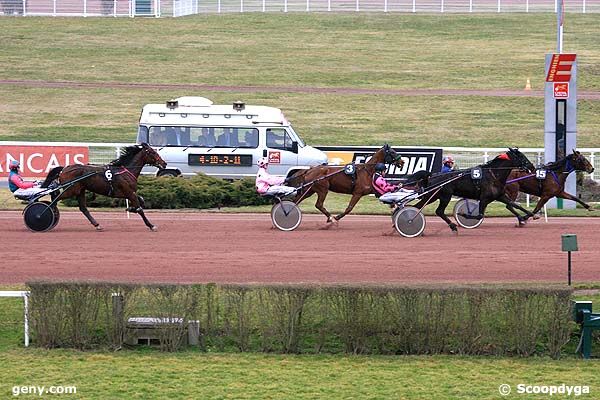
(409,222)
(39,217)
(56,213)
(465,213)
(286,215)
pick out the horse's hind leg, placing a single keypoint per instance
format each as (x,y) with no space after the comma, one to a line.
(83,208)
(135,206)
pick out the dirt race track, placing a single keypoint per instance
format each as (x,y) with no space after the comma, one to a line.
(202,247)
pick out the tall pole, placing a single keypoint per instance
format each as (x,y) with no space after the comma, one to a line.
(560,15)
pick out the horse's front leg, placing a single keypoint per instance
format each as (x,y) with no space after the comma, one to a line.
(136,207)
(355,198)
(568,196)
(83,208)
(511,206)
(440,211)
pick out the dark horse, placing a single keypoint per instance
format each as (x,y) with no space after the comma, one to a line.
(324,178)
(487,188)
(116,179)
(553,183)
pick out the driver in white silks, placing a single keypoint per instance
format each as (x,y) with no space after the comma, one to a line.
(387,192)
(267,184)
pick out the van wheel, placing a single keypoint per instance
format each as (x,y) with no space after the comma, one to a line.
(167,172)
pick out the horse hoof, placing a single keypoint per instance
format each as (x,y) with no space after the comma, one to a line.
(537,216)
(153,228)
(99,228)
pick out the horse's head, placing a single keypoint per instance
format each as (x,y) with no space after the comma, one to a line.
(579,162)
(151,157)
(391,157)
(519,160)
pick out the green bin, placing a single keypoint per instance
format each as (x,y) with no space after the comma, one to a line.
(569,242)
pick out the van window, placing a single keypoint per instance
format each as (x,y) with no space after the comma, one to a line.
(170,136)
(142,136)
(278,138)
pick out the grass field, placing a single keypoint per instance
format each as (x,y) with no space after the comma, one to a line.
(369,51)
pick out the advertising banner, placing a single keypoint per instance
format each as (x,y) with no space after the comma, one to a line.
(415,158)
(37,161)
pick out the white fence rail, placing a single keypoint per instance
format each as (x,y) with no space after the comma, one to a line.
(177,8)
(81,8)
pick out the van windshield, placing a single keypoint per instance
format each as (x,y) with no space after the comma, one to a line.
(203,136)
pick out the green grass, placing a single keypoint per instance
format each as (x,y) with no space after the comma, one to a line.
(148,375)
(369,51)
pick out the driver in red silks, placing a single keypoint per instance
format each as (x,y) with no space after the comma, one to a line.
(267,184)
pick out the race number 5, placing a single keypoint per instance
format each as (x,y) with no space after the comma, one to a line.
(108,175)
(476,173)
(540,174)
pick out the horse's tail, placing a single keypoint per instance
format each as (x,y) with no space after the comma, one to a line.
(52,176)
(419,179)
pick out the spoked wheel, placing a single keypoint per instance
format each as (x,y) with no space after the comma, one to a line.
(409,221)
(286,215)
(465,208)
(39,217)
(56,213)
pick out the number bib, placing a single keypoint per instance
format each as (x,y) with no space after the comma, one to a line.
(350,169)
(476,173)
(108,175)
(540,174)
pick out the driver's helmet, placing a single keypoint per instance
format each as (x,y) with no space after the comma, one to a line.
(262,162)
(14,165)
(380,167)
(448,160)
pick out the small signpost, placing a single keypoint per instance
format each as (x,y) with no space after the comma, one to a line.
(569,244)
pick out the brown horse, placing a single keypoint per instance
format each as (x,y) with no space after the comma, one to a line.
(553,183)
(324,178)
(117,179)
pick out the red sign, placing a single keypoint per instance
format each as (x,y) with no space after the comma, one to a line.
(274,157)
(37,161)
(561,90)
(560,67)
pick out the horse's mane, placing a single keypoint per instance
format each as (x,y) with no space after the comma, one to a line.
(127,153)
(554,165)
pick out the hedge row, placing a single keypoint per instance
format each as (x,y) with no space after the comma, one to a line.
(311,319)
(199,192)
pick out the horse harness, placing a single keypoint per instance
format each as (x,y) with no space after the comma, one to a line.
(110,173)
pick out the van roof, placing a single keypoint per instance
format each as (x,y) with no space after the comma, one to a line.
(191,110)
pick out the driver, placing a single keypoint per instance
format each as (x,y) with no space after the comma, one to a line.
(447,164)
(380,184)
(19,187)
(267,184)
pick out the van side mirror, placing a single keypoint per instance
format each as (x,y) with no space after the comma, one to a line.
(295,147)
